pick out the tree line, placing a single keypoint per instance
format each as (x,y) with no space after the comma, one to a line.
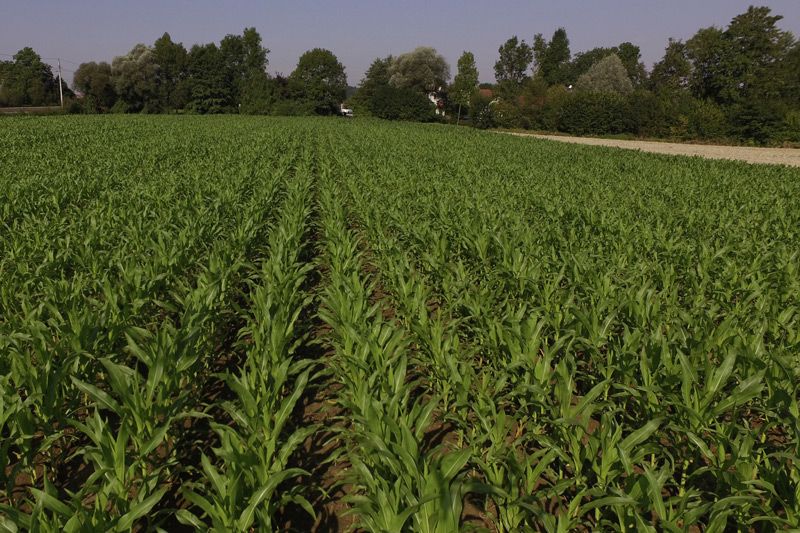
(738,82)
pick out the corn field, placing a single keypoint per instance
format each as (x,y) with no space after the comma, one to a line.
(254,324)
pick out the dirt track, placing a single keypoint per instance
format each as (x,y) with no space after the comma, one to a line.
(773,156)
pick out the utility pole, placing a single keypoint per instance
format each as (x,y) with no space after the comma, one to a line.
(60,84)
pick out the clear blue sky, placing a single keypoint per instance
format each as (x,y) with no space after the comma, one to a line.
(357,31)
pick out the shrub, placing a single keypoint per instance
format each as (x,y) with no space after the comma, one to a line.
(595,113)
(481,110)
(393,103)
(707,120)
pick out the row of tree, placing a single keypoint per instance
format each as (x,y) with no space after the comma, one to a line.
(228,77)
(741,81)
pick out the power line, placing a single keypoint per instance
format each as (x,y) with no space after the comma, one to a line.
(45,58)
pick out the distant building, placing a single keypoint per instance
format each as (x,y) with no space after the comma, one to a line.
(439,99)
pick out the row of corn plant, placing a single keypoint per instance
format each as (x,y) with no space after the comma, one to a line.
(89,365)
(540,324)
(399,480)
(609,340)
(242,486)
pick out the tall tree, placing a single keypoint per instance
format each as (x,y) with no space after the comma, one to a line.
(376,77)
(28,81)
(607,76)
(672,72)
(172,59)
(136,79)
(628,53)
(742,62)
(207,85)
(94,80)
(422,69)
(466,80)
(631,57)
(515,58)
(552,58)
(320,80)
(708,51)
(243,58)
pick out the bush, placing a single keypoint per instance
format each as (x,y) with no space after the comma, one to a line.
(508,115)
(392,103)
(595,114)
(119,107)
(481,111)
(791,128)
(759,121)
(292,108)
(707,120)
(648,117)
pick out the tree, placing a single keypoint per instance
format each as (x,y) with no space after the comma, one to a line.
(607,76)
(708,54)
(552,59)
(136,79)
(628,53)
(28,81)
(466,80)
(631,57)
(376,77)
(256,92)
(742,62)
(672,72)
(172,60)
(243,58)
(319,79)
(422,69)
(790,76)
(94,80)
(207,86)
(515,58)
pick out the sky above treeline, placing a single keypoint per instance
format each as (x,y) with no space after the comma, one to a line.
(358,31)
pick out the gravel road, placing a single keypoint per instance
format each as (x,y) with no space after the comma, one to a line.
(771,156)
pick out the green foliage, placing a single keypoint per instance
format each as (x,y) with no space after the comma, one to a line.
(377,76)
(95,81)
(172,59)
(319,80)
(672,72)
(481,111)
(792,126)
(606,76)
(136,79)
(423,70)
(552,58)
(515,59)
(628,53)
(585,113)
(394,103)
(27,81)
(761,121)
(707,120)
(466,80)
(742,62)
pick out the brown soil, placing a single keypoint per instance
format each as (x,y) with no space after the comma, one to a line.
(769,156)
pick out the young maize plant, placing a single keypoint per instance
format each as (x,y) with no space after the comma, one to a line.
(608,330)
(254,451)
(521,335)
(401,484)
